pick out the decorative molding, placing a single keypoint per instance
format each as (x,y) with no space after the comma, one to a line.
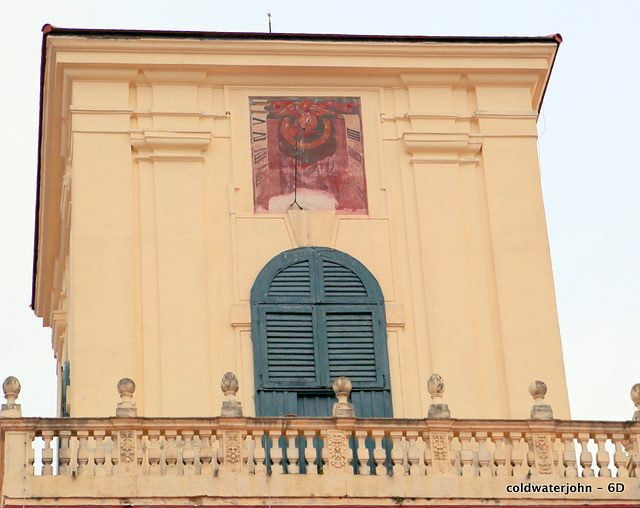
(240,314)
(441,147)
(506,115)
(167,145)
(395,314)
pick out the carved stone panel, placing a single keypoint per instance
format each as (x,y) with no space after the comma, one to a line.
(338,450)
(543,453)
(127,439)
(232,451)
(439,453)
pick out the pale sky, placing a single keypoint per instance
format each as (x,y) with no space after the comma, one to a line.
(589,158)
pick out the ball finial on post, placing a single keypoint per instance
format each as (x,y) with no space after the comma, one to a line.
(437,409)
(635,397)
(342,388)
(539,410)
(11,388)
(229,386)
(126,407)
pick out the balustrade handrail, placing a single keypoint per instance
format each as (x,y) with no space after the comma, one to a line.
(454,425)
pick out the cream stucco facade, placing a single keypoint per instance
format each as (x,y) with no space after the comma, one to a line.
(149,244)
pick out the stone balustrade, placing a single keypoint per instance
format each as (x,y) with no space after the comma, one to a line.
(244,459)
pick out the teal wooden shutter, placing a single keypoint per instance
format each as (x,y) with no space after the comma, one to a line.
(318,314)
(291,349)
(339,281)
(294,281)
(351,346)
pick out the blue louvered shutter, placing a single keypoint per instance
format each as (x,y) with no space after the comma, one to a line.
(291,347)
(338,281)
(351,346)
(294,281)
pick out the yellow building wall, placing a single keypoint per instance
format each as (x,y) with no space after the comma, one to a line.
(150,274)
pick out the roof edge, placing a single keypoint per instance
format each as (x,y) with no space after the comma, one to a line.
(51,30)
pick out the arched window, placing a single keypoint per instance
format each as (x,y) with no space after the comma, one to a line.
(318,314)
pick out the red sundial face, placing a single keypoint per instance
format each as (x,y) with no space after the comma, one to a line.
(310,148)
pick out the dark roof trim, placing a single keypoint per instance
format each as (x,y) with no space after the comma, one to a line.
(48,30)
(166,34)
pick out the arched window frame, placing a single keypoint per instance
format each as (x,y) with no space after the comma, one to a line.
(320,304)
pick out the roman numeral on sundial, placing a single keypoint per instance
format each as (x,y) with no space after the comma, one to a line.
(355,154)
(259,154)
(353,134)
(259,136)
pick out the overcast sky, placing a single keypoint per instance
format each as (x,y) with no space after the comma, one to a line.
(589,158)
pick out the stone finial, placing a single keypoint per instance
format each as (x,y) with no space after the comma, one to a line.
(127,406)
(635,397)
(539,410)
(341,409)
(11,388)
(437,409)
(229,386)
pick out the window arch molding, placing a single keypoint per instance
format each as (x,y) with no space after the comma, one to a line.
(317,314)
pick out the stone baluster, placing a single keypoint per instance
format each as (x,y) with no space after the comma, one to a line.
(500,455)
(47,453)
(154,453)
(437,409)
(569,460)
(115,458)
(635,397)
(64,454)
(530,459)
(310,452)
(293,454)
(428,454)
(31,458)
(342,408)
(276,453)
(398,453)
(171,452)
(83,453)
(453,456)
(99,453)
(11,388)
(484,457)
(539,410)
(206,453)
(126,408)
(188,453)
(518,455)
(586,459)
(620,458)
(602,456)
(466,454)
(414,454)
(362,453)
(229,386)
(259,453)
(217,452)
(379,453)
(140,456)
